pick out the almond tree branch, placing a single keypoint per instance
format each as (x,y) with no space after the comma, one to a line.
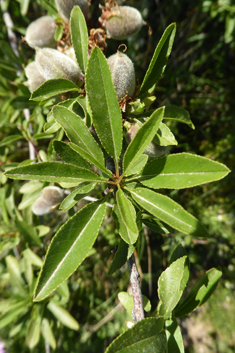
(138,310)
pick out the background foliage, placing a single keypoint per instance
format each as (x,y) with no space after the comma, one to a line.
(199,77)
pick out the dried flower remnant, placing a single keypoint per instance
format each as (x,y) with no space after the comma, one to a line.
(40,33)
(65,7)
(121,22)
(97,38)
(53,64)
(123,74)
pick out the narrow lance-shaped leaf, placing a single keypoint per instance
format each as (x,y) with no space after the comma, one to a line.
(54,172)
(126,218)
(142,139)
(183,170)
(69,247)
(179,114)
(63,315)
(170,287)
(69,155)
(200,293)
(147,336)
(106,113)
(52,88)
(174,337)
(168,211)
(79,134)
(79,36)
(159,59)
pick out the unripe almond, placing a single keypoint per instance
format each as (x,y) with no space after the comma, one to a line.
(153,150)
(124,21)
(35,79)
(123,74)
(40,33)
(50,197)
(71,54)
(65,7)
(53,64)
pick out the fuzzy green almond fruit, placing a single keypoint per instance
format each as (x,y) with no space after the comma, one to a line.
(153,150)
(122,22)
(35,79)
(53,64)
(40,33)
(65,7)
(71,54)
(123,74)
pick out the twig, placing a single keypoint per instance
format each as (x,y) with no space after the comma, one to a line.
(138,311)
(149,261)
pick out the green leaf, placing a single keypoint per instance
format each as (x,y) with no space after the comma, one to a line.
(51,125)
(81,138)
(13,314)
(59,31)
(142,138)
(9,139)
(106,113)
(69,155)
(174,112)
(69,247)
(79,37)
(54,172)
(28,233)
(170,288)
(76,195)
(49,7)
(146,336)
(164,136)
(200,293)
(168,211)
(159,59)
(13,268)
(183,170)
(137,166)
(174,337)
(52,88)
(48,333)
(33,332)
(121,256)
(127,217)
(63,315)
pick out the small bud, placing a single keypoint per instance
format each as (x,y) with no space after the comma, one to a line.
(40,33)
(153,150)
(50,197)
(122,22)
(53,64)
(123,74)
(35,79)
(65,7)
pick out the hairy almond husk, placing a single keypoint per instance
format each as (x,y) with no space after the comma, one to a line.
(153,150)
(35,79)
(50,197)
(71,54)
(123,74)
(124,21)
(65,7)
(53,64)
(40,33)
